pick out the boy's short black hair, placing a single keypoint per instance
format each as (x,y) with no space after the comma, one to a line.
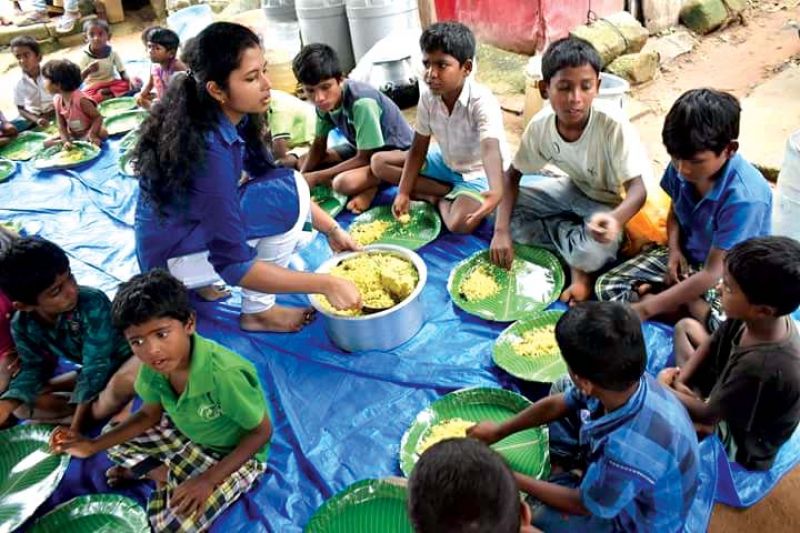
(97,23)
(165,37)
(64,73)
(463,485)
(149,296)
(700,120)
(451,38)
(603,343)
(316,62)
(767,269)
(147,31)
(569,52)
(29,266)
(26,41)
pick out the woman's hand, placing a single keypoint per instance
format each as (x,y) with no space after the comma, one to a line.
(341,241)
(342,293)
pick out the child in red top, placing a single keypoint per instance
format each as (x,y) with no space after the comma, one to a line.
(76,114)
(8,354)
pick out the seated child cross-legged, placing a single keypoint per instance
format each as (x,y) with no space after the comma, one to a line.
(162,47)
(582,214)
(466,121)
(204,429)
(463,485)
(98,62)
(743,382)
(34,102)
(629,437)
(369,121)
(58,319)
(292,123)
(718,200)
(76,114)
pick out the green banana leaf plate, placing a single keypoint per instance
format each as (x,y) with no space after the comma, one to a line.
(95,513)
(25,146)
(368,506)
(424,226)
(114,106)
(534,281)
(527,452)
(542,367)
(126,168)
(125,121)
(7,169)
(129,141)
(29,473)
(330,201)
(54,157)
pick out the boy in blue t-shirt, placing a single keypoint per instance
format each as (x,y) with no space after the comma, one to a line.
(630,438)
(368,120)
(718,201)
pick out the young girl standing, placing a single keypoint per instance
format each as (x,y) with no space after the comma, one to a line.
(76,114)
(193,219)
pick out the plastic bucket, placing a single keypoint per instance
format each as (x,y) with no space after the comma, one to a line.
(786,202)
(533,98)
(279,10)
(371,23)
(613,89)
(190,21)
(327,25)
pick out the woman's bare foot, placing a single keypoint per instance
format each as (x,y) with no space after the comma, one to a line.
(361,202)
(212,293)
(277,319)
(579,290)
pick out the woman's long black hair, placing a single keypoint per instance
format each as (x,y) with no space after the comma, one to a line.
(172,141)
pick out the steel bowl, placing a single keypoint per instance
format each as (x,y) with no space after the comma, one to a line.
(383,330)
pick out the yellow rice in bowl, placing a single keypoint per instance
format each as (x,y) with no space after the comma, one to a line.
(383,279)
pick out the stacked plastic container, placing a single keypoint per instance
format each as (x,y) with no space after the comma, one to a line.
(372,20)
(325,21)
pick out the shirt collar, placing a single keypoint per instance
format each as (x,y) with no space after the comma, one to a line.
(720,184)
(595,428)
(200,374)
(466,90)
(226,129)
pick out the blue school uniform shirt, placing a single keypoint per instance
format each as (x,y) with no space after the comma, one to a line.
(217,215)
(737,208)
(642,459)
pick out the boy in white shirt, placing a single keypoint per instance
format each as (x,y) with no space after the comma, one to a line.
(33,101)
(465,119)
(582,214)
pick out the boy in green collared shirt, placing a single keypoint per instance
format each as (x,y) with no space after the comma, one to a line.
(204,418)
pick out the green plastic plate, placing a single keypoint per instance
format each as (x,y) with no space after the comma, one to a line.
(115,106)
(7,169)
(46,161)
(129,141)
(369,506)
(424,226)
(546,367)
(534,281)
(125,121)
(126,165)
(96,513)
(29,473)
(50,130)
(329,200)
(527,452)
(24,147)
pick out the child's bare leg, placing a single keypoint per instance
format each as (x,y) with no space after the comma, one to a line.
(388,166)
(48,407)
(454,214)
(689,334)
(580,289)
(62,383)
(118,391)
(360,184)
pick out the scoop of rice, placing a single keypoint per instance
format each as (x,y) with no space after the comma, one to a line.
(369,232)
(536,342)
(450,428)
(479,284)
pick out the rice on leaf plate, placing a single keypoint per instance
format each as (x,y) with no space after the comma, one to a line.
(94,513)
(368,506)
(24,146)
(330,201)
(29,472)
(527,349)
(125,121)
(7,169)
(56,158)
(481,288)
(527,452)
(379,226)
(115,106)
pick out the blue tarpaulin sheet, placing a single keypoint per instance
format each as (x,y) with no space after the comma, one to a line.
(338,417)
